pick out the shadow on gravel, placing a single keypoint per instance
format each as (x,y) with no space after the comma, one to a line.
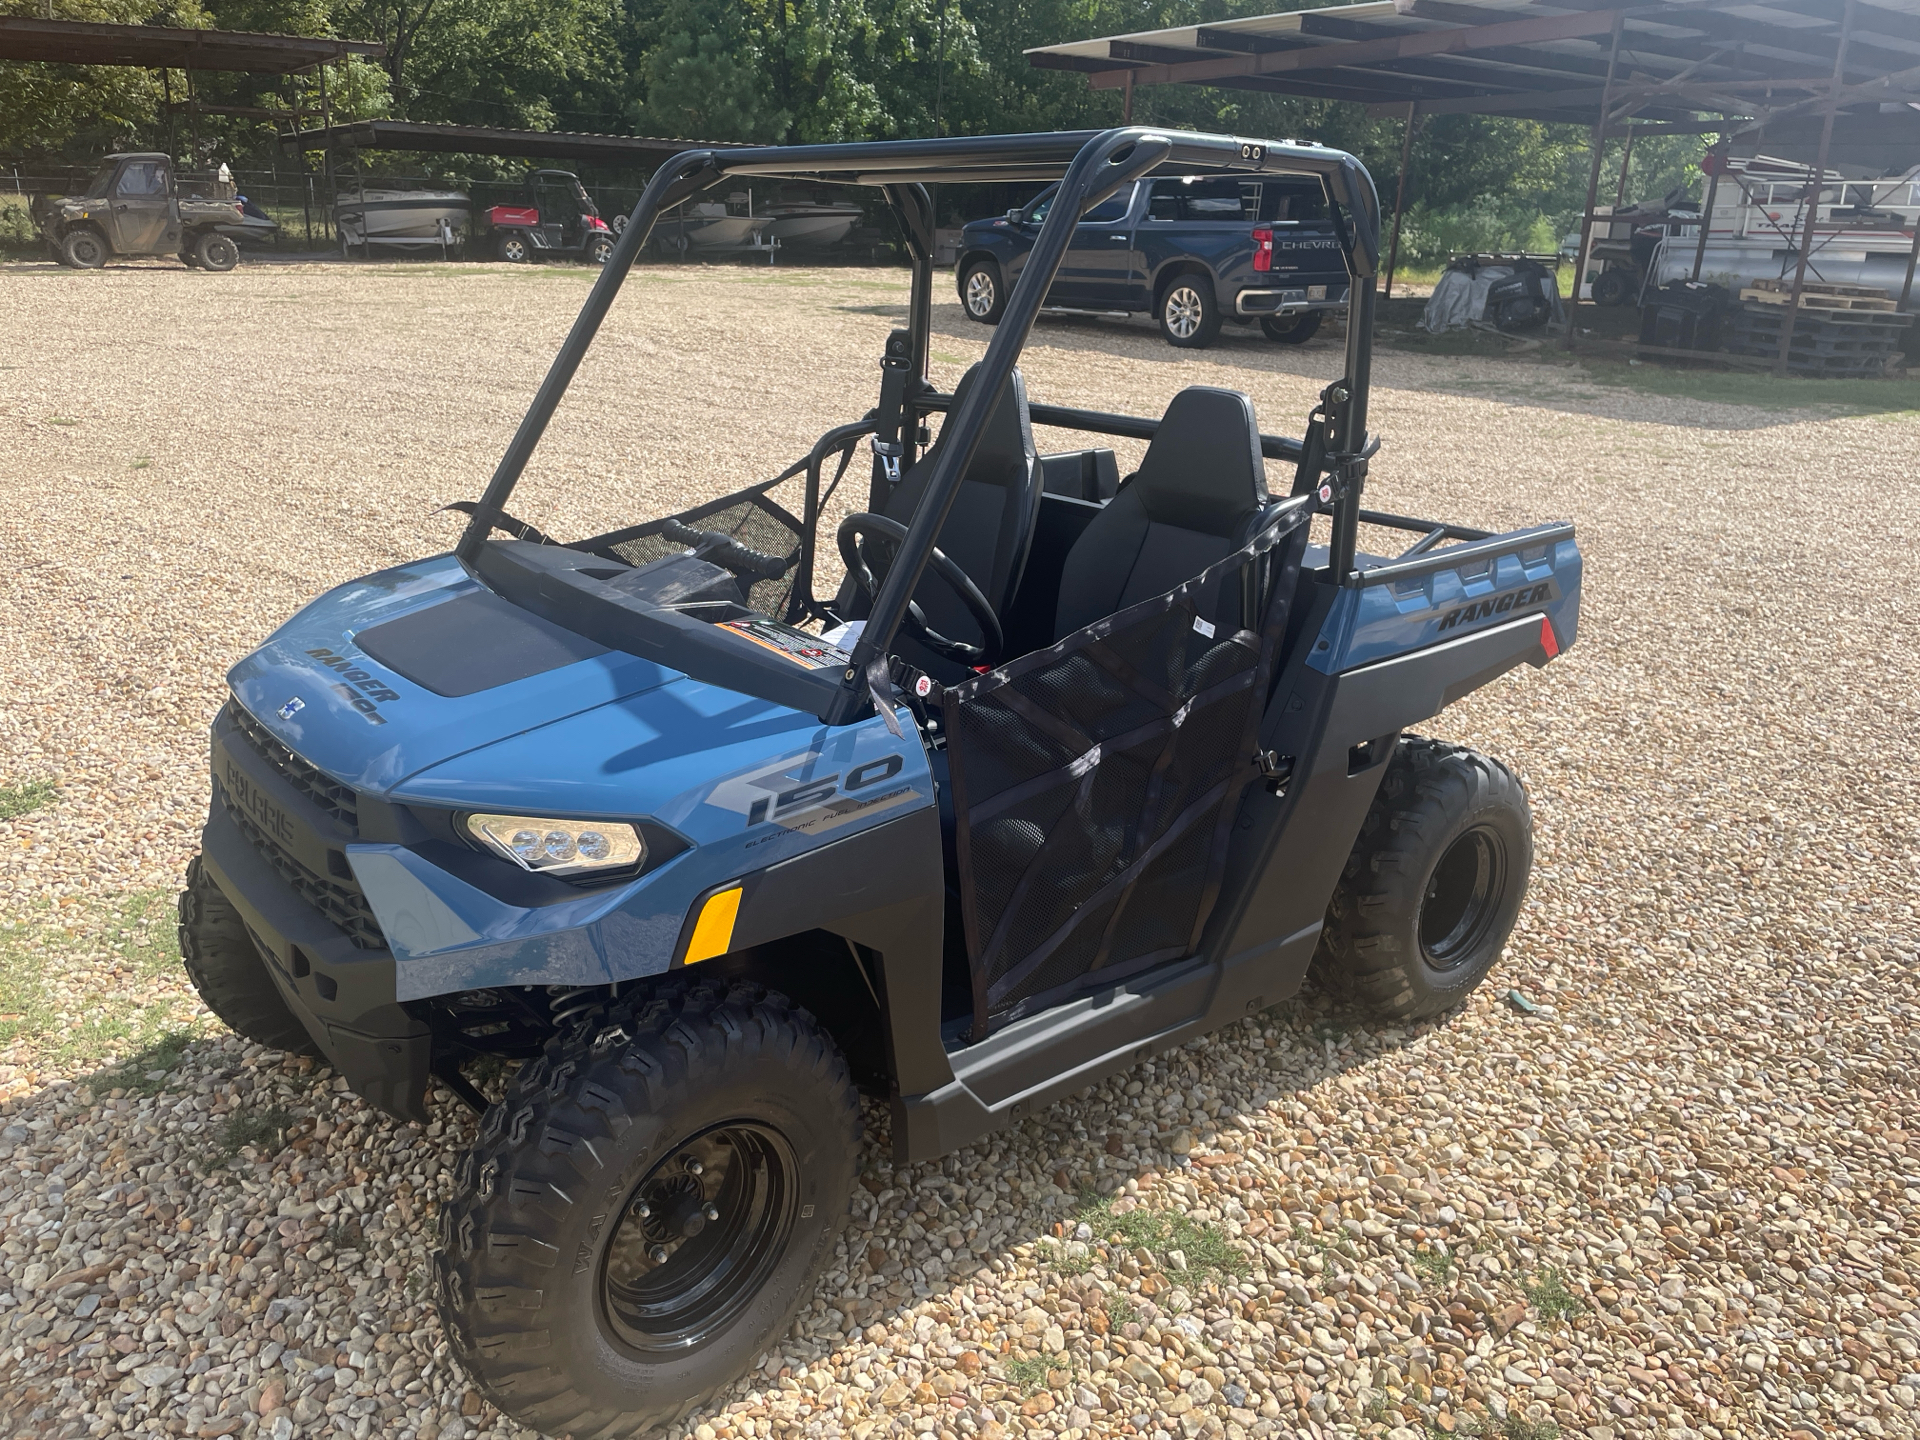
(201,1156)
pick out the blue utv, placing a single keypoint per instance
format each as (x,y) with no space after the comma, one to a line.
(1060,776)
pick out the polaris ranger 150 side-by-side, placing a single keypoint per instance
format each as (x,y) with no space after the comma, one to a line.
(1060,777)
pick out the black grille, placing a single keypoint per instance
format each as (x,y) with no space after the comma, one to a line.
(322,789)
(341,901)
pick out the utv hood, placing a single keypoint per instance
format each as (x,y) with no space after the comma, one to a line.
(401,670)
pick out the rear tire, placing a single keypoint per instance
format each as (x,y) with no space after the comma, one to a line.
(514,249)
(553,1293)
(1189,313)
(84,249)
(983,291)
(227,970)
(1433,886)
(216,252)
(1293,329)
(1613,287)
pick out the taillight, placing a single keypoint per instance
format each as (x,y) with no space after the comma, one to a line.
(1263,250)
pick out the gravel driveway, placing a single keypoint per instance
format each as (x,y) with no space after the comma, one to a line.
(1670,1185)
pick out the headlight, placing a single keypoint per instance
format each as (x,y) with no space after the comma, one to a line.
(559,847)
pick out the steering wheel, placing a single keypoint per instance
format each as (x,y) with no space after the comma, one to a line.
(862,524)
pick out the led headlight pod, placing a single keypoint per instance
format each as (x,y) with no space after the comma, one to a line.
(559,847)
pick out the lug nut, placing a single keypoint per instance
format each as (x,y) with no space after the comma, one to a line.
(694,1167)
(658,1254)
(713,1212)
(641,1209)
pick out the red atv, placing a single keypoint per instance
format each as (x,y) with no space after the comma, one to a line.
(561,219)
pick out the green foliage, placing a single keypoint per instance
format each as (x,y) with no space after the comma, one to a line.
(80,980)
(1549,1295)
(24,798)
(262,1129)
(1431,1266)
(1029,1372)
(1206,1247)
(1120,1311)
(145,1071)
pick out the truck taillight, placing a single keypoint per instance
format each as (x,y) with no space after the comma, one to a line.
(1263,249)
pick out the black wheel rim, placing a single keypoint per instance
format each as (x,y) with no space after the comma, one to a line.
(1462,898)
(698,1237)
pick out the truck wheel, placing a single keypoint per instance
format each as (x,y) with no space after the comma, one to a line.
(1292,329)
(1434,883)
(983,291)
(227,970)
(513,248)
(599,250)
(216,252)
(645,1211)
(1189,314)
(84,249)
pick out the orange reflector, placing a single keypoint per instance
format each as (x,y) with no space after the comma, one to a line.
(1549,641)
(713,931)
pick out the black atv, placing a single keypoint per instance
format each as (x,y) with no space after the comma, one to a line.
(1063,775)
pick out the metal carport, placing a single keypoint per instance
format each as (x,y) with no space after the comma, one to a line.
(1726,67)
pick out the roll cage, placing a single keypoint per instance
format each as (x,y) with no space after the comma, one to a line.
(1330,460)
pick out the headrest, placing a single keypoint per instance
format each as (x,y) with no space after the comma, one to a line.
(1006,445)
(1203,470)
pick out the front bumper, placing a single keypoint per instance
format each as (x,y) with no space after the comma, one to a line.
(264,838)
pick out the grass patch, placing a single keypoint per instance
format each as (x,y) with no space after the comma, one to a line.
(141,462)
(1514,1427)
(946,359)
(24,798)
(61,420)
(1431,1266)
(1550,1296)
(1206,1247)
(265,1130)
(145,1071)
(1120,1311)
(1029,1372)
(79,983)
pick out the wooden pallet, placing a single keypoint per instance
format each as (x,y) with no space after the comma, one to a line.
(1809,300)
(1820,287)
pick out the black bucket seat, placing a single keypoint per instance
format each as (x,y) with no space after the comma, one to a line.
(1196,498)
(990,528)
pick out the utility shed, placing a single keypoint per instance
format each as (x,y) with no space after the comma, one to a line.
(1731,68)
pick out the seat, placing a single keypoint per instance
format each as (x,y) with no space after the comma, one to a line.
(1196,498)
(990,527)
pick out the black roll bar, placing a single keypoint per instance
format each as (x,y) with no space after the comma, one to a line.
(1095,164)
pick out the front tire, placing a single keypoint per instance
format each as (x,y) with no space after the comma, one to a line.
(1292,329)
(216,252)
(1433,886)
(227,970)
(646,1210)
(1189,313)
(84,249)
(1613,287)
(983,291)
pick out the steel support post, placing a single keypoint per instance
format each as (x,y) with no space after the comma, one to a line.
(1400,195)
(1913,257)
(1593,180)
(1814,187)
(1706,211)
(1626,159)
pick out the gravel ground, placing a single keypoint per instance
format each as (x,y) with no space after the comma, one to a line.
(1662,1176)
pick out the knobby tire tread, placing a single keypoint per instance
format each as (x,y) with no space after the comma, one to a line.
(229,972)
(1363,957)
(535,1158)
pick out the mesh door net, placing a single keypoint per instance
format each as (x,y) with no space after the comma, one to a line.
(1095,782)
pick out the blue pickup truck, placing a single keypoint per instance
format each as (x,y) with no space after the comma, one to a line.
(1193,251)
